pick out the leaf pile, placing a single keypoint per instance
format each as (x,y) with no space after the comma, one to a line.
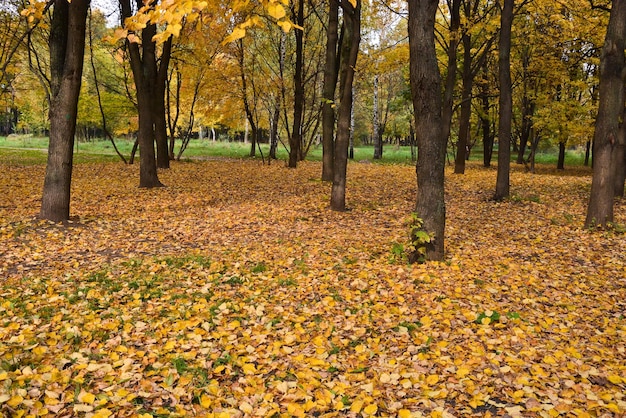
(236,292)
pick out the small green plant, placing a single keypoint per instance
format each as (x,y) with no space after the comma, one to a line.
(259,268)
(419,240)
(487,317)
(180,364)
(398,253)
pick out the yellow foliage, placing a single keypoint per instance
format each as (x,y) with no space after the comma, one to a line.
(217,296)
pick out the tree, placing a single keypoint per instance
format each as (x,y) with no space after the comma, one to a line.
(506,102)
(295,140)
(349,53)
(144,67)
(426,94)
(67,48)
(331,73)
(610,110)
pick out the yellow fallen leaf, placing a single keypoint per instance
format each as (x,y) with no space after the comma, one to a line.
(356,406)
(404,413)
(205,401)
(432,379)
(370,409)
(15,401)
(613,378)
(86,397)
(245,407)
(462,371)
(249,368)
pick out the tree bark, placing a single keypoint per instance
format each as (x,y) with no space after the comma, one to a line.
(378,140)
(560,164)
(427,103)
(466,107)
(619,160)
(485,120)
(610,108)
(158,109)
(349,54)
(448,94)
(295,141)
(328,94)
(506,103)
(143,65)
(67,50)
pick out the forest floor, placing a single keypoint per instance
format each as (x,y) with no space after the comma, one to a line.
(234,291)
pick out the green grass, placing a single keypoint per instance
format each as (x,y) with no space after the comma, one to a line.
(27,150)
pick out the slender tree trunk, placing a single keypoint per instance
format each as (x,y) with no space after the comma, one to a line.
(450,82)
(427,103)
(160,123)
(560,164)
(485,121)
(528,108)
(295,142)
(378,140)
(587,153)
(349,54)
(610,107)
(506,103)
(466,107)
(67,50)
(143,65)
(328,94)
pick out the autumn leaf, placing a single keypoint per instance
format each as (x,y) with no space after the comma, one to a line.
(232,298)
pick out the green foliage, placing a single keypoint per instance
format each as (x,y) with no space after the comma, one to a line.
(418,239)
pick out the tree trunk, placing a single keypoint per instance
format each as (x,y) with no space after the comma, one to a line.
(143,65)
(506,103)
(619,161)
(619,157)
(295,142)
(274,130)
(485,121)
(328,94)
(610,107)
(349,54)
(528,108)
(587,153)
(67,49)
(560,164)
(466,107)
(158,109)
(448,94)
(378,140)
(427,103)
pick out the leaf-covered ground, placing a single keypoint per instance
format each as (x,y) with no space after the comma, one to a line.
(236,292)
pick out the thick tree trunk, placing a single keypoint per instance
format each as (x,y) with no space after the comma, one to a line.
(295,142)
(506,103)
(328,94)
(450,83)
(427,103)
(349,54)
(67,49)
(619,161)
(610,108)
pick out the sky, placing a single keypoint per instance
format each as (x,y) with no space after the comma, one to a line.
(110,9)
